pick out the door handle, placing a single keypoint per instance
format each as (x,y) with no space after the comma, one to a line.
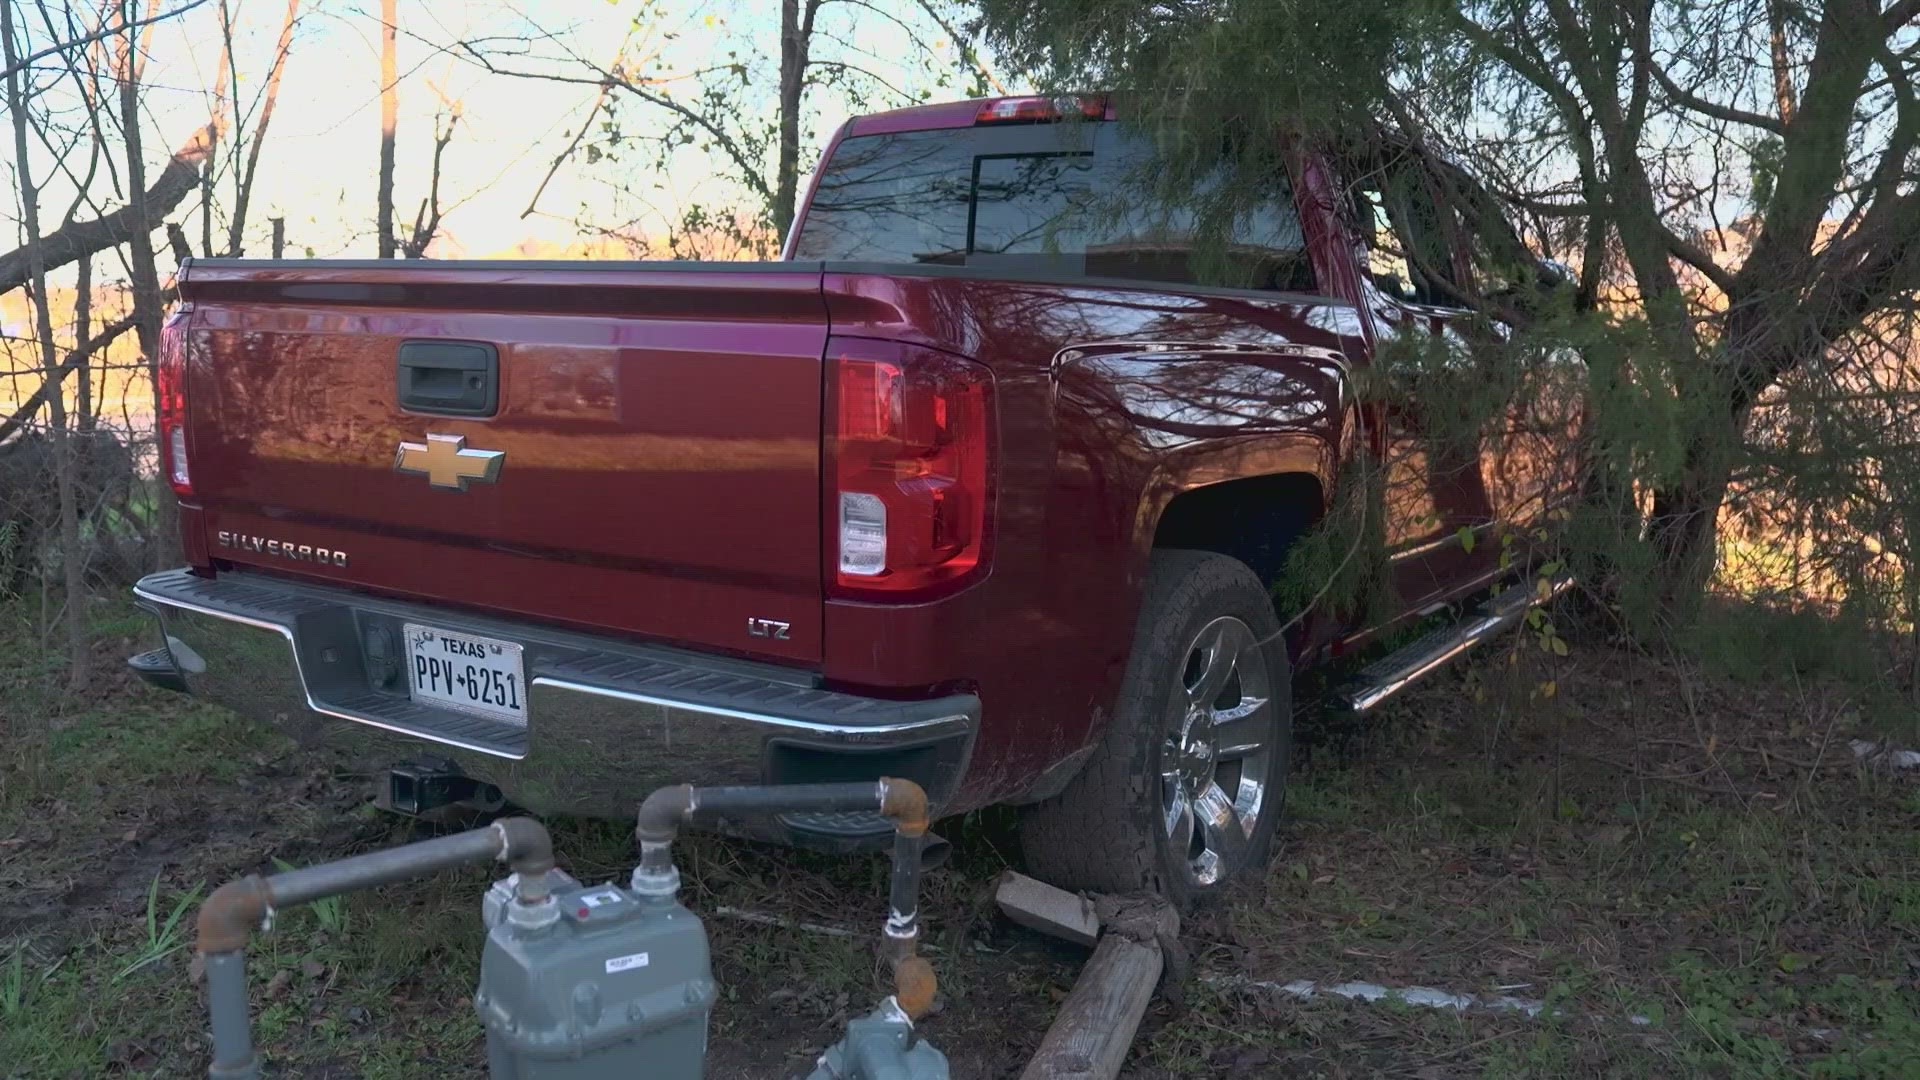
(449,378)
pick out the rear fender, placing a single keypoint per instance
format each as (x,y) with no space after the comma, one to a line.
(1189,416)
(1179,418)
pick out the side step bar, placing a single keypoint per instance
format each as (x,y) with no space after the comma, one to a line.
(1386,677)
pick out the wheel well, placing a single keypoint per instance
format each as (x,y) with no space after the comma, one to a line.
(1255,520)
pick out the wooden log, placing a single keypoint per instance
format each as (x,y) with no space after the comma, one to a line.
(1095,1028)
(1037,905)
(1090,1038)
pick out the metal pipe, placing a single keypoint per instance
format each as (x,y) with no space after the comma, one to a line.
(292,888)
(903,892)
(775,798)
(231,913)
(914,985)
(666,809)
(902,801)
(233,1056)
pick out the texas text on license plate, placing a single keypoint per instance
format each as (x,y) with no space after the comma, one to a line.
(467,672)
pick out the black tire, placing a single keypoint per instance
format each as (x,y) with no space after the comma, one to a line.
(1116,827)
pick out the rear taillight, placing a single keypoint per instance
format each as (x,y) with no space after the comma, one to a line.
(909,500)
(170,387)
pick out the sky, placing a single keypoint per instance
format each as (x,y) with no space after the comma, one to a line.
(318,169)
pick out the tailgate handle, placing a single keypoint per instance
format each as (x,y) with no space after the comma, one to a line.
(450,378)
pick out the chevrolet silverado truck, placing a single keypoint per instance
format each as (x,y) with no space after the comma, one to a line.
(981,484)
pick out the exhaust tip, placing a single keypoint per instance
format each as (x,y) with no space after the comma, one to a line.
(935,850)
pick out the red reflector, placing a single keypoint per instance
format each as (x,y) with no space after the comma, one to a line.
(908,505)
(1040,110)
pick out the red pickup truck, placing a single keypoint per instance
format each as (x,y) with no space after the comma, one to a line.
(979,485)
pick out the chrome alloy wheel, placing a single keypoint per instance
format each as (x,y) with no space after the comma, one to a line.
(1217,762)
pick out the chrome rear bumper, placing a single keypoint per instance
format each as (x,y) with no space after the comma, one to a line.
(608,721)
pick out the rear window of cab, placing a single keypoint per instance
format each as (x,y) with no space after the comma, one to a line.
(1051,200)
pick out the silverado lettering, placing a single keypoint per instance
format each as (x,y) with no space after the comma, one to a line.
(997,470)
(285,550)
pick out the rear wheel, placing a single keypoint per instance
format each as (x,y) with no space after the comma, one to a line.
(1184,791)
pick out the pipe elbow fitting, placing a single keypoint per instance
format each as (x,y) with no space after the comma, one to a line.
(914,986)
(525,845)
(905,803)
(231,913)
(661,813)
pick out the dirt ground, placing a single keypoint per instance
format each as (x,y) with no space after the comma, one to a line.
(1618,835)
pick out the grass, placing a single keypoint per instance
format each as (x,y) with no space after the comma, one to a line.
(164,936)
(13,984)
(329,912)
(1660,839)
(1680,839)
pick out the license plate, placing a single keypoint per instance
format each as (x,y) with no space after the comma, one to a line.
(467,672)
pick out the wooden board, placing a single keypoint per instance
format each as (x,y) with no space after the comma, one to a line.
(1039,906)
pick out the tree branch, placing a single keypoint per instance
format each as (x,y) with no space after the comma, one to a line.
(1813,148)
(426,222)
(748,167)
(967,51)
(843,66)
(573,144)
(71,242)
(1693,102)
(30,59)
(29,408)
(1691,254)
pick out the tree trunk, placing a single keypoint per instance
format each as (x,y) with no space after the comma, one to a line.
(1685,524)
(795,30)
(389,121)
(82,330)
(224,79)
(1685,531)
(72,559)
(145,214)
(1782,65)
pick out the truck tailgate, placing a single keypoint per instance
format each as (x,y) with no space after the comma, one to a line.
(649,463)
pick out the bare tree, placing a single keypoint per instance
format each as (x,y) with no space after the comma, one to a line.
(75,577)
(796,43)
(715,107)
(389,121)
(226,79)
(143,274)
(426,220)
(106,29)
(244,175)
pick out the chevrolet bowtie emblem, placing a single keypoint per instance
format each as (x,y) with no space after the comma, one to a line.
(447,463)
